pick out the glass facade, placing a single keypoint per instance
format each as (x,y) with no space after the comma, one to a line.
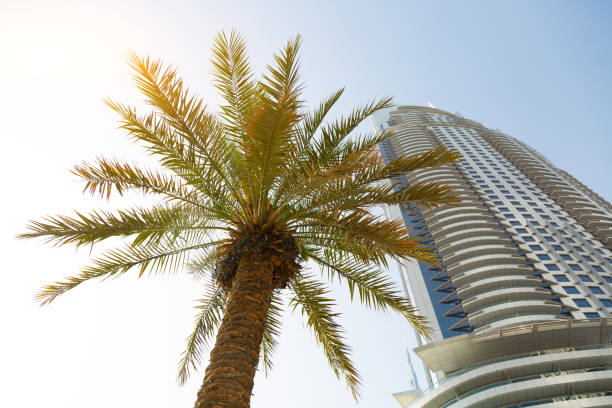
(554,246)
(527,250)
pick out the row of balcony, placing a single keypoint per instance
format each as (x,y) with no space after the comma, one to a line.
(528,365)
(568,195)
(473,247)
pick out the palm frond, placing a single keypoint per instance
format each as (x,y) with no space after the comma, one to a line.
(180,154)
(234,79)
(355,182)
(107,175)
(203,262)
(187,115)
(156,258)
(431,194)
(316,171)
(345,196)
(160,139)
(269,140)
(326,148)
(272,328)
(165,91)
(375,289)
(312,297)
(211,308)
(435,157)
(149,225)
(368,237)
(313,121)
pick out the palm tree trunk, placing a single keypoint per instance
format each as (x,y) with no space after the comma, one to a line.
(229,377)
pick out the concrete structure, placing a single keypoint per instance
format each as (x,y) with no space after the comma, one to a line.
(521,306)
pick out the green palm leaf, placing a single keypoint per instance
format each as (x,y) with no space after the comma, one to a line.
(312,297)
(313,121)
(234,79)
(211,307)
(271,332)
(375,289)
(149,225)
(159,258)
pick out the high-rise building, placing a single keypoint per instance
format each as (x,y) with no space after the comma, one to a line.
(521,304)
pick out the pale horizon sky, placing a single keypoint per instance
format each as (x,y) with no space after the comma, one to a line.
(539,71)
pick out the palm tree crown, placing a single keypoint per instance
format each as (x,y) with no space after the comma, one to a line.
(264,180)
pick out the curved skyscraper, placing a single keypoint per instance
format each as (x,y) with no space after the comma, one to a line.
(521,306)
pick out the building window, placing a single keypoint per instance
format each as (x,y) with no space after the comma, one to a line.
(515,223)
(508,216)
(582,303)
(598,268)
(575,267)
(596,290)
(566,257)
(585,278)
(552,267)
(535,247)
(561,278)
(570,290)
(591,315)
(543,257)
(521,230)
(528,239)
(549,239)
(606,302)
(587,258)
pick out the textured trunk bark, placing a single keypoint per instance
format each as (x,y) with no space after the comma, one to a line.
(228,381)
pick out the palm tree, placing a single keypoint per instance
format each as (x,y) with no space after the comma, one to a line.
(249,196)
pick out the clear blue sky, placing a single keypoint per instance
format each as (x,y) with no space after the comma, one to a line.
(539,71)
